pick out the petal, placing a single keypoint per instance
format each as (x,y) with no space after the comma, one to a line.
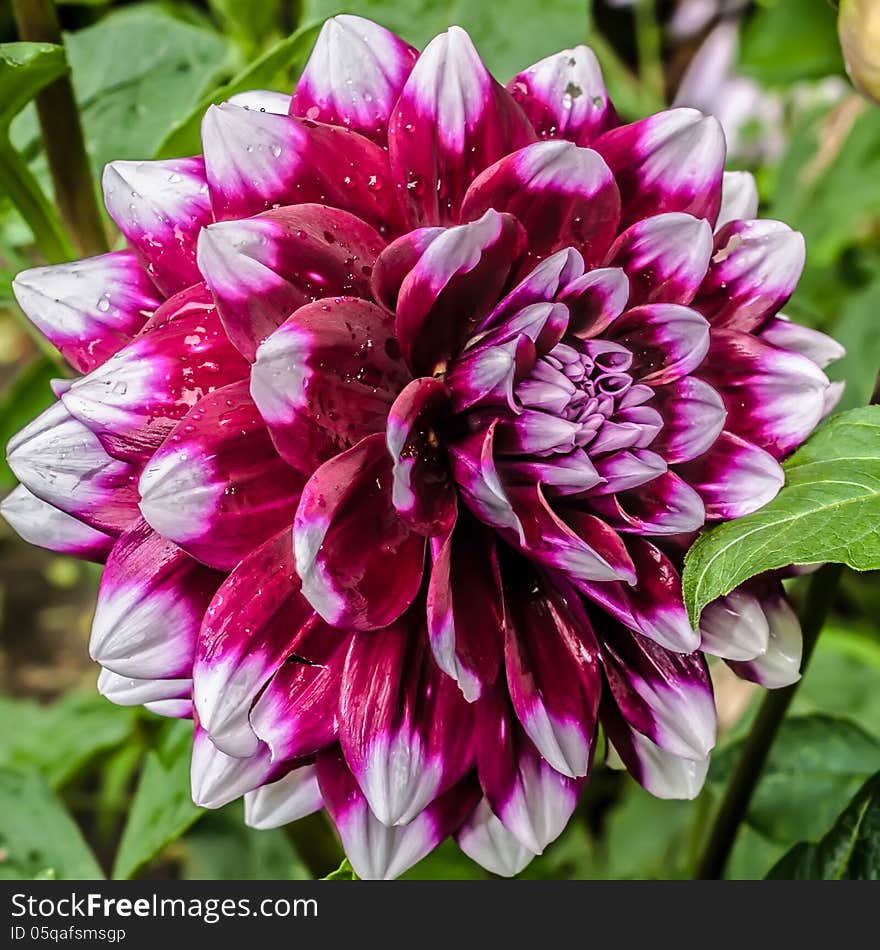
(775,398)
(667,341)
(595,300)
(354,76)
(464,608)
(150,606)
(627,469)
(286,800)
(217,779)
(665,258)
(423,491)
(552,663)
(256,160)
(671,161)
(397,260)
(43,524)
(564,196)
(89,308)
(377,851)
(262,100)
(754,270)
(484,839)
(62,463)
(570,474)
(453,285)
(452,120)
(780,665)
(136,398)
(666,505)
(403,724)
(739,198)
(326,378)
(818,347)
(564,96)
(262,269)
(693,417)
(160,207)
(216,487)
(735,627)
(125,691)
(665,696)
(361,566)
(734,477)
(172,708)
(244,639)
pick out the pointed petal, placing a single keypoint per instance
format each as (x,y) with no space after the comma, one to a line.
(693,417)
(89,308)
(354,76)
(217,779)
(452,120)
(667,505)
(361,566)
(780,665)
(262,269)
(564,196)
(150,606)
(286,800)
(627,469)
(125,691)
(484,839)
(671,161)
(735,627)
(160,207)
(818,347)
(739,198)
(595,300)
(564,96)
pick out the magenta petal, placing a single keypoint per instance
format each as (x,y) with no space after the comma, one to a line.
(563,195)
(134,400)
(452,121)
(665,696)
(595,300)
(160,207)
(564,96)
(626,469)
(354,76)
(397,260)
(89,308)
(262,269)
(739,198)
(484,839)
(361,565)
(786,335)
(754,270)
(693,417)
(734,477)
(775,398)
(666,505)
(403,724)
(671,161)
(569,474)
(256,160)
(465,614)
(150,606)
(423,492)
(665,258)
(326,378)
(452,287)
(552,664)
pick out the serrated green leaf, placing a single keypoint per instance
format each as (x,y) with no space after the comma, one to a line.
(509,35)
(829,510)
(162,808)
(816,765)
(849,852)
(37,836)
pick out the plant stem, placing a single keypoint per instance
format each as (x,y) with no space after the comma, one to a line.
(649,42)
(62,133)
(820,597)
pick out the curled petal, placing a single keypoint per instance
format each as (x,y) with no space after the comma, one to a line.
(564,96)
(786,335)
(397,260)
(354,76)
(326,378)
(595,300)
(563,195)
(217,778)
(160,207)
(693,417)
(484,839)
(89,308)
(739,198)
(780,664)
(665,258)
(452,120)
(150,605)
(361,566)
(671,161)
(285,800)
(49,527)
(262,269)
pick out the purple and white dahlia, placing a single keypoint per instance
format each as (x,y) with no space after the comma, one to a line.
(396,417)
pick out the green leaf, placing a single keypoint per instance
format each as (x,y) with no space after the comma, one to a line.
(849,852)
(816,765)
(60,739)
(788,40)
(829,510)
(509,35)
(162,808)
(285,58)
(250,24)
(37,836)
(25,69)
(345,872)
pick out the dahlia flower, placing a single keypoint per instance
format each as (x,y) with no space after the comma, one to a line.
(397,415)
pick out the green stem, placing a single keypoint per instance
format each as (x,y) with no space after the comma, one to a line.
(820,597)
(62,133)
(649,43)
